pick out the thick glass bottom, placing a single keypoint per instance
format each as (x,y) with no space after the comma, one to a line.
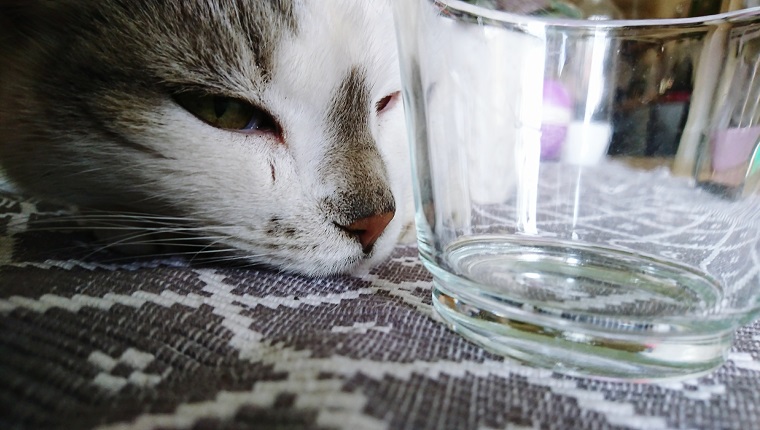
(582,309)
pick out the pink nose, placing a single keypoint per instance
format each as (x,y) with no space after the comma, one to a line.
(368,230)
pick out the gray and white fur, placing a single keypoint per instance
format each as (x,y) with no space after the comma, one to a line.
(90,115)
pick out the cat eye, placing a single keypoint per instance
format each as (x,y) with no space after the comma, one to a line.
(387,102)
(227,113)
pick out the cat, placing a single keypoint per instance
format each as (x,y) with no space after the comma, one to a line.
(271,128)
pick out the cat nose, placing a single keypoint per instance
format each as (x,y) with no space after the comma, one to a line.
(368,230)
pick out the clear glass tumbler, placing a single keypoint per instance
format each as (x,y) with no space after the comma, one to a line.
(586,190)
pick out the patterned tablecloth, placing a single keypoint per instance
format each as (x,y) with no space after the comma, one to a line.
(167,343)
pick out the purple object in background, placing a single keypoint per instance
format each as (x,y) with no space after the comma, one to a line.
(555,119)
(733,147)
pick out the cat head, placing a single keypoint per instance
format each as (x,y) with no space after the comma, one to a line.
(271,127)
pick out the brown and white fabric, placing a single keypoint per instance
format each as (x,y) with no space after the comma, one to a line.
(173,344)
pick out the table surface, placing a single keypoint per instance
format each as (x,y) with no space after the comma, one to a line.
(86,342)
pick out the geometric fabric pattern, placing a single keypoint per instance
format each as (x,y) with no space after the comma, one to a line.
(91,342)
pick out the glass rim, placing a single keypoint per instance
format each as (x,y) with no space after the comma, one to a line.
(739,15)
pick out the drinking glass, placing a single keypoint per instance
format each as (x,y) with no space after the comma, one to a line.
(586,190)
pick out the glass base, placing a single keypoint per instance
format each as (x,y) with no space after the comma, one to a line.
(582,309)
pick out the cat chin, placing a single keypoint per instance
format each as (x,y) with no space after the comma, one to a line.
(331,256)
(394,235)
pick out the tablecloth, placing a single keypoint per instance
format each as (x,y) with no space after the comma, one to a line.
(166,342)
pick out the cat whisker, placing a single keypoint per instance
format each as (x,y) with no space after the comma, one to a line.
(208,256)
(121,218)
(95,229)
(194,254)
(210,245)
(131,216)
(243,262)
(136,240)
(134,229)
(238,257)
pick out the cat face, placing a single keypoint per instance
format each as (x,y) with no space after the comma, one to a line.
(273,128)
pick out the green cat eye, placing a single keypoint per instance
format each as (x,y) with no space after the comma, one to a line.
(226,112)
